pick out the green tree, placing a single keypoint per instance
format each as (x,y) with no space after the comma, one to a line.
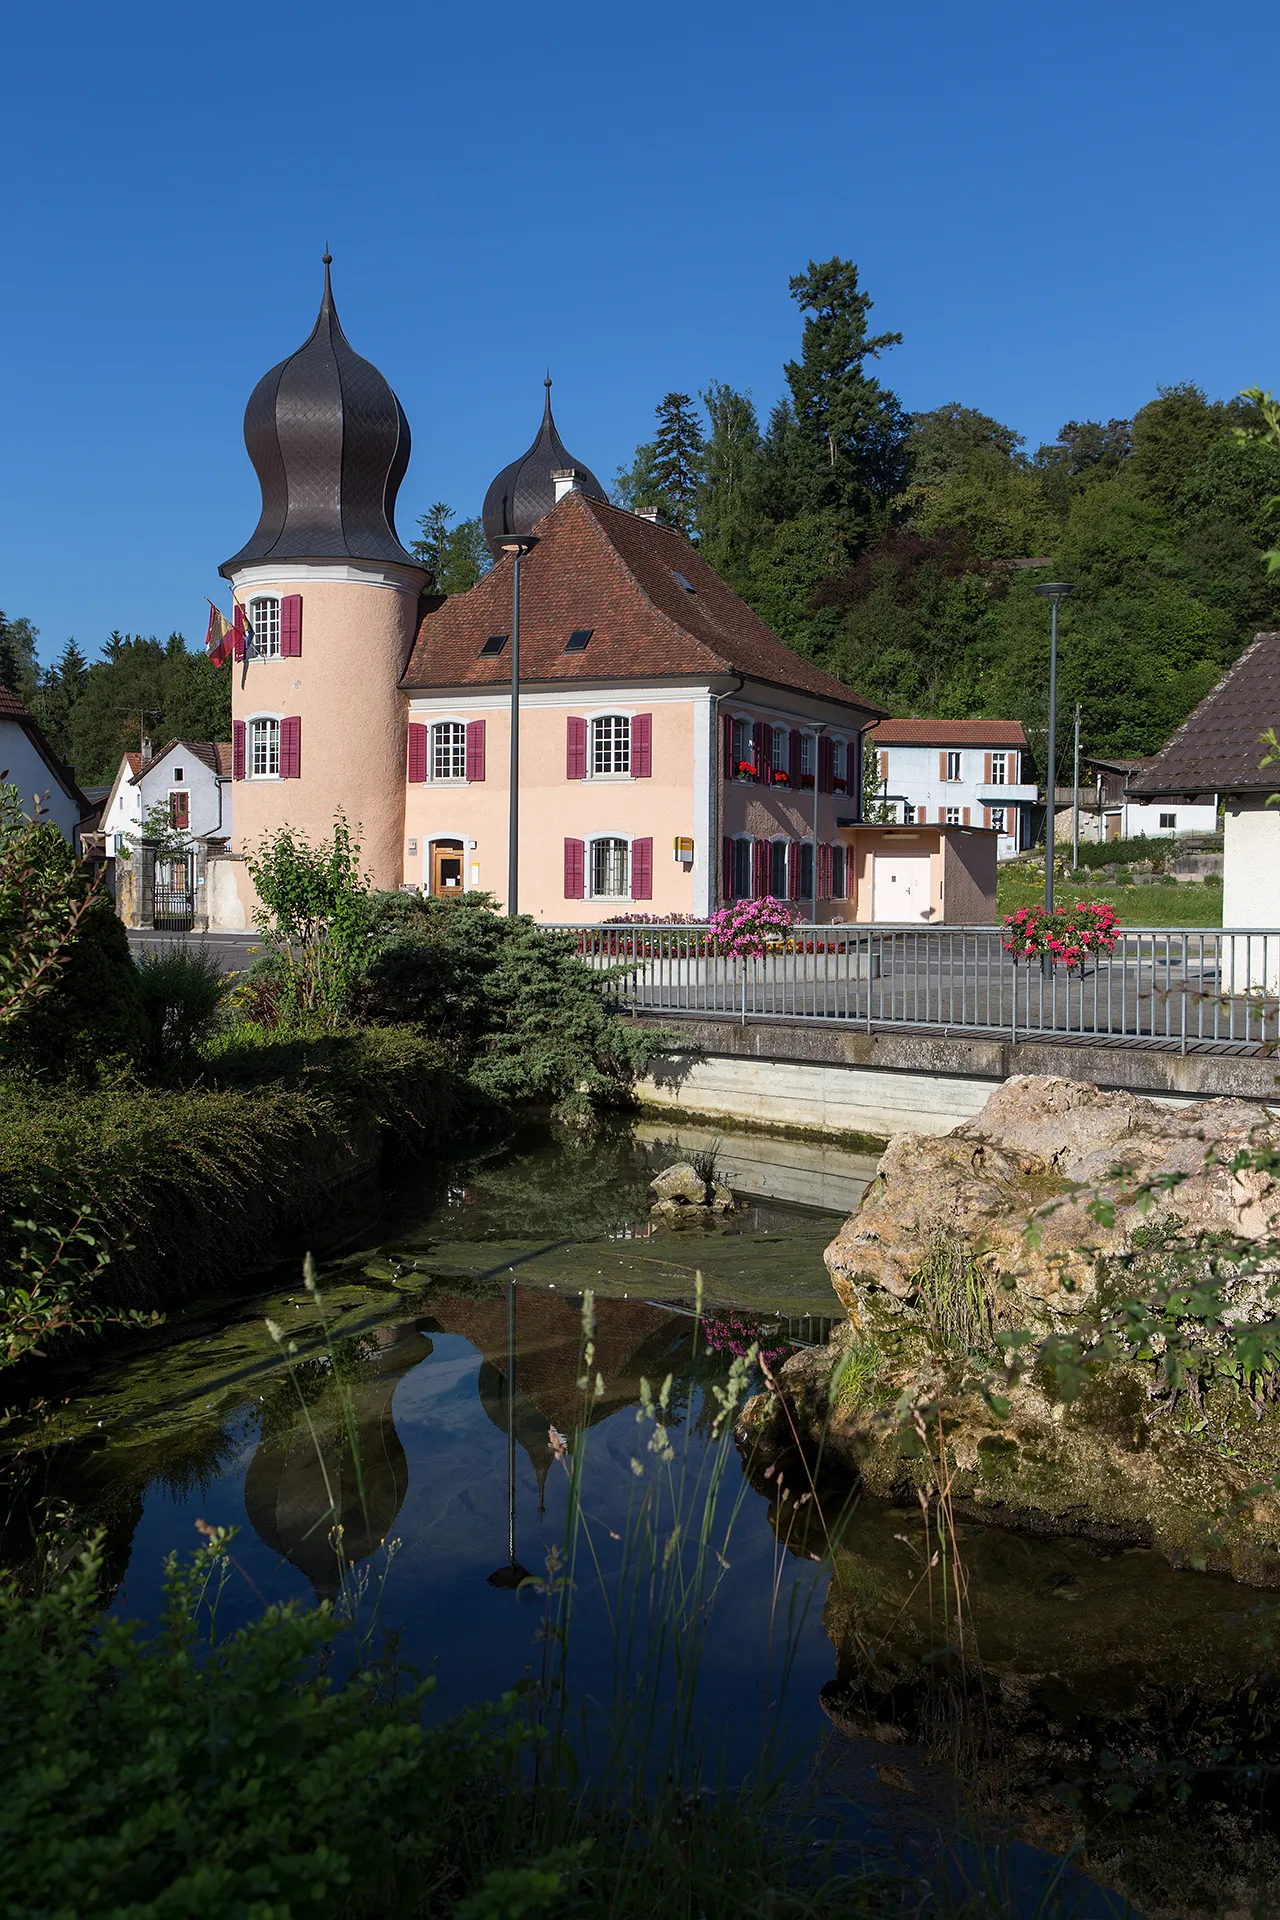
(141,687)
(955,439)
(18,670)
(730,506)
(455,556)
(1171,436)
(848,453)
(677,463)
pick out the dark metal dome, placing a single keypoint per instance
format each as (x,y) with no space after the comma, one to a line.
(330,444)
(525,490)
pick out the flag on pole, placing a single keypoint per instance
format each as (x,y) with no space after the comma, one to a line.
(220,637)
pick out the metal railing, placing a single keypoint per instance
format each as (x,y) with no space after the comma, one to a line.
(1160,985)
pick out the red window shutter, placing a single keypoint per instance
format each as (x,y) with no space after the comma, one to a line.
(964,816)
(237,749)
(726,747)
(291,626)
(417,753)
(986,816)
(942,766)
(884,769)
(824,871)
(761,741)
(475,749)
(642,747)
(942,816)
(575,869)
(793,870)
(796,750)
(826,764)
(986,769)
(760,856)
(237,645)
(291,747)
(575,761)
(726,869)
(642,869)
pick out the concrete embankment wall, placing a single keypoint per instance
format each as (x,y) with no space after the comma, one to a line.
(838,1080)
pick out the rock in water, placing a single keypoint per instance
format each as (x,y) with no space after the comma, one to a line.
(938,1262)
(680,1183)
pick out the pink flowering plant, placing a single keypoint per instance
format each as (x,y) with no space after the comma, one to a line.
(1068,935)
(747,928)
(736,1334)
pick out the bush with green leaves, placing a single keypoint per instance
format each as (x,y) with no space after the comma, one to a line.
(316,931)
(183,990)
(513,1001)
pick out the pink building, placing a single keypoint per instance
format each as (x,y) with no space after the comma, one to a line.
(674,753)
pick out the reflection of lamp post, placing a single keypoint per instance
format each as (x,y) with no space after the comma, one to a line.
(1053,594)
(517,546)
(513,1575)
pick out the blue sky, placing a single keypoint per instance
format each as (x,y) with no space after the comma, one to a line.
(1058,206)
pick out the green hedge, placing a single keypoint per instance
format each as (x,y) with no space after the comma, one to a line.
(188,1183)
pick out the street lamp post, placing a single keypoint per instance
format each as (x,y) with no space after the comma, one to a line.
(817,756)
(517,548)
(1053,594)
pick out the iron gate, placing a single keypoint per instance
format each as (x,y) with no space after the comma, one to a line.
(173,907)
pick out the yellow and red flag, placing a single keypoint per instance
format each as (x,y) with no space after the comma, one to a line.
(219,640)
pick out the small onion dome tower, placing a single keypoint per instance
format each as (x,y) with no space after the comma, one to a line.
(531,485)
(330,597)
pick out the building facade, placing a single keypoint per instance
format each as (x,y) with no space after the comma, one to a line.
(46,786)
(958,773)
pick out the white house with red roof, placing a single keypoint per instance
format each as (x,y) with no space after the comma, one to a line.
(958,773)
(30,763)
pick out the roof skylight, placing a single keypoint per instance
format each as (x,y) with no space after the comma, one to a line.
(494,644)
(577,641)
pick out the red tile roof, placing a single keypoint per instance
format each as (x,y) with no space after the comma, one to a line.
(600,567)
(11,706)
(948,733)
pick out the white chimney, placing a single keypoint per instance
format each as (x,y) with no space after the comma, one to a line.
(647,513)
(567,480)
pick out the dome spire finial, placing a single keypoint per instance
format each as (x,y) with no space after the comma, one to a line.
(526,489)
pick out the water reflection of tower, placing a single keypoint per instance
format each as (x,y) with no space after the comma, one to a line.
(299,1489)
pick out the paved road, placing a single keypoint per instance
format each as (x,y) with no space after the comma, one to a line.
(235,951)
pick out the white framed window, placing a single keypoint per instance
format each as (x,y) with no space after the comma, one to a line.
(264,749)
(808,746)
(449,750)
(742,851)
(1168,820)
(782,749)
(610,744)
(953,816)
(264,618)
(908,814)
(997,819)
(840,767)
(778,869)
(953,766)
(743,751)
(610,869)
(999,769)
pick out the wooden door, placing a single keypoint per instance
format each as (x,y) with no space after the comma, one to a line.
(446,866)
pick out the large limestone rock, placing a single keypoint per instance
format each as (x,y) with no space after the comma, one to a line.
(682,1192)
(1071,1163)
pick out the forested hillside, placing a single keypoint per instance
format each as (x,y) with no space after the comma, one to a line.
(92,714)
(889,546)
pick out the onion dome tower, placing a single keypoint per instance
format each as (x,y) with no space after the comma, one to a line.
(330,444)
(327,598)
(530,486)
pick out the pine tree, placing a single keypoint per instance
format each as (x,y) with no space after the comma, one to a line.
(677,463)
(18,670)
(730,506)
(456,557)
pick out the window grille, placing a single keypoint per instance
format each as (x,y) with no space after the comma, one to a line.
(999,769)
(611,744)
(264,618)
(609,869)
(449,750)
(953,766)
(264,747)
(953,816)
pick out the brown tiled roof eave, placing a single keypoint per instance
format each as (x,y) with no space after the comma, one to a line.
(597,565)
(1218,748)
(948,733)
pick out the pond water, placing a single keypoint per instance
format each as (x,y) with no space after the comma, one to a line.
(455,1309)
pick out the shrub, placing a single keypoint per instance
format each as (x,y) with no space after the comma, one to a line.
(182,992)
(751,927)
(513,1002)
(45,894)
(318,923)
(90,1025)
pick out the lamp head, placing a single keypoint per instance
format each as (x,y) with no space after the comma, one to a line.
(1057,590)
(520,543)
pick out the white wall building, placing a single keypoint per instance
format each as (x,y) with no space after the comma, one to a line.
(189,779)
(43,780)
(1118,814)
(958,773)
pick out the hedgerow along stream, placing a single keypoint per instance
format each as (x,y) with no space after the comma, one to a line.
(455,1306)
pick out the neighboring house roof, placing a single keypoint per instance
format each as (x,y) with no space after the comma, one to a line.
(948,733)
(214,754)
(600,568)
(11,708)
(1219,749)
